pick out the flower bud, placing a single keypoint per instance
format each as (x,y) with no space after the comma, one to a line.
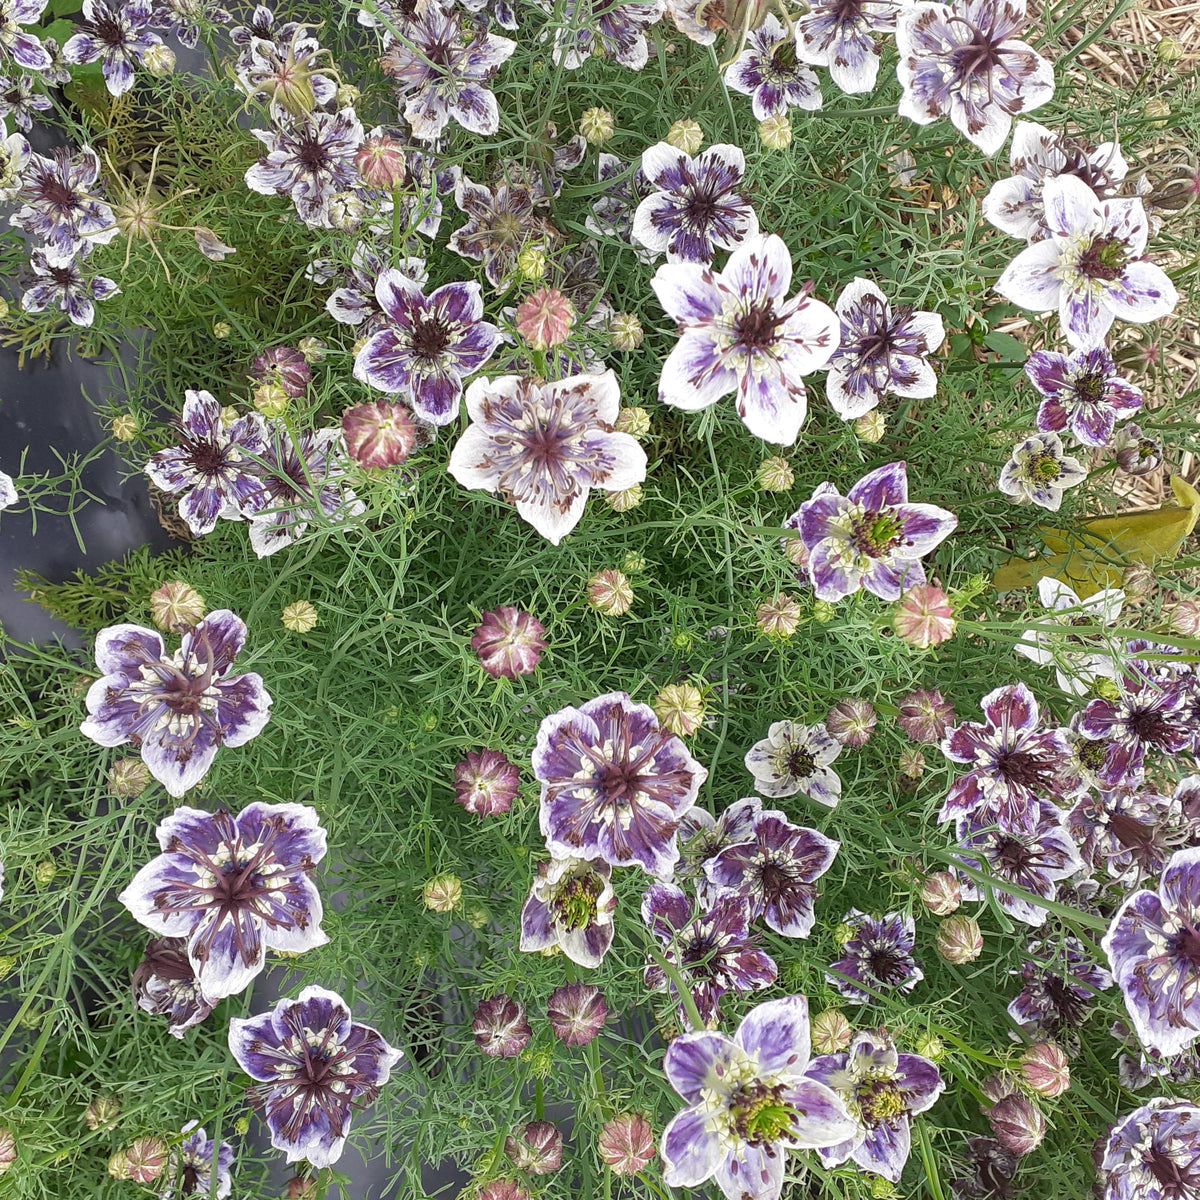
(146,1158)
(996,1086)
(871,427)
(686,135)
(1017,1123)
(775,474)
(1185,618)
(102,1113)
(300,616)
(1045,1069)
(633,421)
(128,778)
(597,126)
(941,893)
(502,1189)
(345,212)
(626,1144)
(4,306)
(823,611)
(1106,689)
(625,330)
(381,163)
(159,60)
(531,262)
(911,763)
(509,642)
(8,1149)
(177,606)
(545,318)
(44,872)
(632,563)
(831,1032)
(125,427)
(1158,114)
(925,715)
(443,893)
(851,721)
(536,1147)
(625,499)
(229,414)
(959,939)
(1138,581)
(486,783)
(930,1046)
(778,617)
(577,1013)
(924,617)
(379,433)
(346,96)
(679,707)
(312,348)
(1168,50)
(271,399)
(775,132)
(610,593)
(118,1165)
(221,330)
(301,1187)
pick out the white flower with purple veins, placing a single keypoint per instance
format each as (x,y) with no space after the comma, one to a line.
(440,67)
(795,758)
(61,284)
(1039,471)
(883,1091)
(571,906)
(1091,268)
(962,61)
(428,345)
(178,710)
(545,446)
(877,958)
(697,207)
(1154,1153)
(212,465)
(616,31)
(748,1103)
(1078,666)
(116,34)
(614,784)
(181,17)
(18,98)
(702,837)
(58,205)
(197,1160)
(882,351)
(837,34)
(770,73)
(872,537)
(8,491)
(23,48)
(234,888)
(165,984)
(14,155)
(739,334)
(309,161)
(1081,392)
(314,1066)
(1037,155)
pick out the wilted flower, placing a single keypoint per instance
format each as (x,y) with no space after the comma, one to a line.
(234,887)
(1060,982)
(500,1027)
(536,1146)
(739,334)
(442,893)
(924,617)
(486,782)
(679,708)
(1017,1123)
(509,642)
(178,710)
(1077,669)
(504,219)
(379,434)
(831,1032)
(165,983)
(940,893)
(300,616)
(795,758)
(195,1162)
(1151,1153)
(626,1143)
(576,1012)
(962,61)
(614,783)
(315,1067)
(748,1103)
(876,958)
(1039,471)
(1082,392)
(571,906)
(959,940)
(925,715)
(545,446)
(1045,1069)
(769,72)
(851,722)
(1136,453)
(145,1159)
(60,282)
(778,617)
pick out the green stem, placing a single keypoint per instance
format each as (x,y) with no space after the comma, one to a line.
(539,1100)
(686,998)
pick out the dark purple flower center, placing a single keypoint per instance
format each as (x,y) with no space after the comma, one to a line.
(1067,1003)
(51,190)
(430,337)
(1026,770)
(189,1179)
(1130,832)
(1012,857)
(1092,754)
(978,55)
(64,277)
(1179,1180)
(875,533)
(205,456)
(781,878)
(311,152)
(1105,258)
(1186,945)
(800,763)
(1090,388)
(108,29)
(888,964)
(761,1115)
(1149,725)
(756,329)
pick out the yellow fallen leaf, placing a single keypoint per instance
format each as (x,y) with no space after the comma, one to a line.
(1094,555)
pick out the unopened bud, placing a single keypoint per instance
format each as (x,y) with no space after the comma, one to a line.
(924,616)
(911,763)
(221,330)
(531,262)
(626,1144)
(626,331)
(381,163)
(176,606)
(679,707)
(871,427)
(1157,111)
(959,939)
(823,611)
(44,872)
(930,1046)
(633,421)
(443,894)
(776,132)
(347,96)
(8,1149)
(597,126)
(271,399)
(300,616)
(345,212)
(146,1158)
(1138,581)
(125,427)
(831,1032)
(1045,1069)
(625,499)
(941,893)
(1168,50)
(778,617)
(775,474)
(159,60)
(102,1112)
(312,348)
(128,778)
(610,593)
(1017,1123)
(686,135)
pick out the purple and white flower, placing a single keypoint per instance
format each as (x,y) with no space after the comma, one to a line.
(1015,206)
(165,984)
(1154,1153)
(59,206)
(503,218)
(775,873)
(23,48)
(748,1103)
(20,100)
(178,710)
(500,1027)
(616,31)
(612,211)
(1015,765)
(234,887)
(8,491)
(697,207)
(1039,471)
(877,958)
(837,34)
(571,906)
(314,1067)
(872,537)
(1127,835)
(1136,452)
(739,334)
(213,464)
(1082,392)
(441,66)
(1091,268)
(197,1160)
(14,157)
(882,351)
(1060,981)
(116,33)
(545,446)
(614,784)
(703,837)
(61,284)
(795,758)
(882,1091)
(429,344)
(1078,662)
(770,73)
(963,61)
(710,944)
(182,18)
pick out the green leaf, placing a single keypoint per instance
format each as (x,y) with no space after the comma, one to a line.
(1007,346)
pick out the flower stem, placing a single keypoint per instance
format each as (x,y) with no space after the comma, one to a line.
(686,998)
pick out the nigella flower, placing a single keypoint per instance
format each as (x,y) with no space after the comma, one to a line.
(25,49)
(697,207)
(303,478)
(882,351)
(614,784)
(1153,947)
(1091,268)
(837,34)
(616,31)
(284,365)
(8,497)
(701,836)
(963,61)
(18,99)
(768,71)
(775,873)
(14,156)
(213,465)
(1154,1153)
(502,219)
(308,160)
(882,1091)
(197,1160)
(440,67)
(710,944)
(536,1147)
(486,782)
(1033,860)
(1015,765)
(1128,835)
(178,710)
(870,538)
(315,1066)
(748,1103)
(60,283)
(545,446)
(182,18)
(234,887)
(1082,392)
(1015,206)
(1077,666)
(1039,471)
(739,334)
(795,758)
(1060,981)
(1135,452)
(612,211)
(428,345)
(499,1026)
(877,958)
(508,642)
(576,1012)
(165,984)
(59,207)
(570,905)
(118,34)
